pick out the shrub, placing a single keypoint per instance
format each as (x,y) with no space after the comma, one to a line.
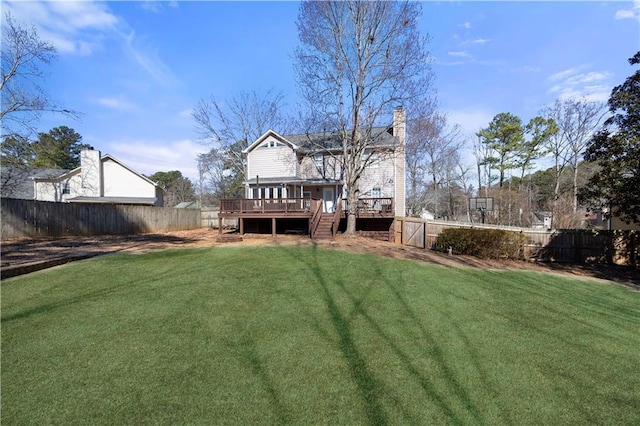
(482,243)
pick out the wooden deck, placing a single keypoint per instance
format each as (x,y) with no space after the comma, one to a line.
(263,208)
(290,212)
(298,208)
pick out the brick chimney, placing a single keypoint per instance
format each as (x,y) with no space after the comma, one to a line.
(399,178)
(399,124)
(91,173)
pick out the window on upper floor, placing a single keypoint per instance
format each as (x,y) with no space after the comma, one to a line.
(66,188)
(269,144)
(318,160)
(371,158)
(376,192)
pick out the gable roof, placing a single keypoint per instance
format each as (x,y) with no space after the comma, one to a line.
(17,182)
(323,141)
(264,136)
(68,173)
(112,158)
(331,141)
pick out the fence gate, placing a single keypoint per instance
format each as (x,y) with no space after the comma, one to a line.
(414,234)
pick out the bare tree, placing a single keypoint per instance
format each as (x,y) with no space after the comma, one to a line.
(421,127)
(216,178)
(432,152)
(481,152)
(464,179)
(577,120)
(359,61)
(24,99)
(229,126)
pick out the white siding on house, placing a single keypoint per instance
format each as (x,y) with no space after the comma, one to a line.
(379,176)
(75,186)
(118,181)
(272,156)
(53,190)
(97,177)
(271,161)
(330,168)
(91,173)
(48,191)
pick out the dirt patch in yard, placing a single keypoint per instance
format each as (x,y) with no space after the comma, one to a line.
(26,255)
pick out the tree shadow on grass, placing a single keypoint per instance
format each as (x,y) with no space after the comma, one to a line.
(250,356)
(432,351)
(372,390)
(364,379)
(48,307)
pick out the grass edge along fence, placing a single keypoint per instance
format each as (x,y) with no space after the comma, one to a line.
(30,218)
(563,245)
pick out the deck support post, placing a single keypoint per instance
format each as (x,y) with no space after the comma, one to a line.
(273,226)
(219,225)
(241,220)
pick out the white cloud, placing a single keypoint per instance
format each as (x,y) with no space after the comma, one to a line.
(481,41)
(158,6)
(117,102)
(72,27)
(460,54)
(147,56)
(185,113)
(466,25)
(577,83)
(633,13)
(563,74)
(80,15)
(437,61)
(82,27)
(148,157)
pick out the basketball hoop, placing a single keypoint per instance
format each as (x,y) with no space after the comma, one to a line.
(481,204)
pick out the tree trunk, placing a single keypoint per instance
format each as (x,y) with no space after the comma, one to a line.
(352,200)
(556,195)
(575,189)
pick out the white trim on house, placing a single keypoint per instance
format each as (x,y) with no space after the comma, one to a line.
(99,179)
(274,160)
(266,135)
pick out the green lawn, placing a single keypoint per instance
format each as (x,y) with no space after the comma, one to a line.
(304,335)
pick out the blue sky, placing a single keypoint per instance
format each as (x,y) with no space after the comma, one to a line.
(135,70)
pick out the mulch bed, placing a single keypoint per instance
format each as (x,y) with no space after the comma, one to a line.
(22,256)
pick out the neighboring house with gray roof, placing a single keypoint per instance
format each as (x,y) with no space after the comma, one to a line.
(17,182)
(98,180)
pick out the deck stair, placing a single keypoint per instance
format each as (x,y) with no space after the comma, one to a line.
(323,232)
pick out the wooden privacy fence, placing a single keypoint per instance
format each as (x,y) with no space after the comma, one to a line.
(209,218)
(565,245)
(30,218)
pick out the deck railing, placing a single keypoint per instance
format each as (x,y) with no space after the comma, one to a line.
(315,219)
(372,206)
(383,206)
(336,220)
(266,205)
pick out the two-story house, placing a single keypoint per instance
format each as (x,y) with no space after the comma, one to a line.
(295,183)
